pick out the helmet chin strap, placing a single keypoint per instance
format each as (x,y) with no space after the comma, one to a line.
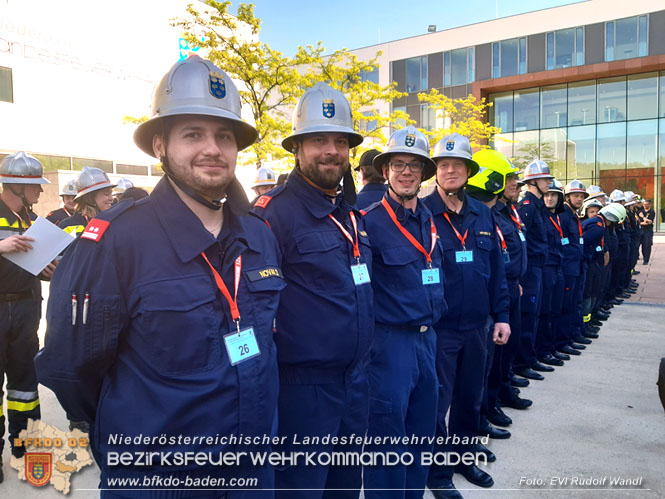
(401,197)
(215,204)
(20,195)
(542,194)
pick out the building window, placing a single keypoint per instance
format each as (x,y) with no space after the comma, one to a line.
(54,163)
(643,96)
(501,112)
(509,57)
(553,106)
(123,169)
(399,122)
(428,118)
(459,66)
(367,125)
(6,85)
(565,48)
(372,76)
(416,74)
(612,100)
(79,163)
(626,38)
(527,109)
(582,103)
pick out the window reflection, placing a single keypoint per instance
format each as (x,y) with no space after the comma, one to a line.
(643,96)
(611,100)
(527,109)
(553,106)
(582,103)
(526,148)
(553,147)
(581,152)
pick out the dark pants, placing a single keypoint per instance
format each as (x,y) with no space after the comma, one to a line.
(646,238)
(403,400)
(550,310)
(532,285)
(566,325)
(595,275)
(313,404)
(460,365)
(499,378)
(19,321)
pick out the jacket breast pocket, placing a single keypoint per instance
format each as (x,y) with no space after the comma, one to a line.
(178,330)
(321,261)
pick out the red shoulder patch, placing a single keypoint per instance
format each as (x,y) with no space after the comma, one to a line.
(50,213)
(600,224)
(263,201)
(95,229)
(526,201)
(363,212)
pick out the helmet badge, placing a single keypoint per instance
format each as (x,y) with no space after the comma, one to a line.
(328,108)
(450,145)
(410,140)
(217,87)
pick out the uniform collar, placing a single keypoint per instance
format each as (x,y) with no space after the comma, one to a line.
(535,199)
(419,212)
(315,200)
(438,207)
(186,232)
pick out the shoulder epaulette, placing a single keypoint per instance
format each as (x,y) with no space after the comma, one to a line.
(264,200)
(98,225)
(526,201)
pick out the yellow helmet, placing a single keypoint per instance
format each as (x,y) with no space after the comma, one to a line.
(494,168)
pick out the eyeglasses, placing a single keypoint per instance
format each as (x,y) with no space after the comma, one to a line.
(399,166)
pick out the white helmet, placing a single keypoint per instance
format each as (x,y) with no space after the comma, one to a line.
(21,168)
(617,196)
(122,186)
(407,140)
(456,146)
(595,192)
(631,198)
(264,176)
(614,212)
(195,86)
(588,203)
(322,109)
(90,180)
(69,189)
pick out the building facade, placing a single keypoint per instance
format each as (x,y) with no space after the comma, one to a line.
(581,86)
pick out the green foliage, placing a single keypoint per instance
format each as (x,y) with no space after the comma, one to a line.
(464,116)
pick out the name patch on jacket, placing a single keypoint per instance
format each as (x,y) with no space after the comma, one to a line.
(257,275)
(95,229)
(483,233)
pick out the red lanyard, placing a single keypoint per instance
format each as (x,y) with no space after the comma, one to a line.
(407,234)
(579,224)
(233,302)
(558,227)
(356,250)
(516,218)
(459,236)
(503,241)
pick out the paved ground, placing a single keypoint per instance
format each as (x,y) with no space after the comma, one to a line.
(598,417)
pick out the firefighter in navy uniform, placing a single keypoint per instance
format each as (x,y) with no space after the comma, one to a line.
(475,286)
(94,194)
(178,338)
(569,325)
(553,280)
(646,217)
(20,297)
(596,257)
(408,300)
(69,206)
(510,229)
(534,214)
(325,320)
(496,174)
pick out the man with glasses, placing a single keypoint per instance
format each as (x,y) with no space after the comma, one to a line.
(408,300)
(475,284)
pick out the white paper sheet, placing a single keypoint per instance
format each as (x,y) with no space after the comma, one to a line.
(49,241)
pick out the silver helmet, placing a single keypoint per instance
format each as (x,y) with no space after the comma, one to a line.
(556,186)
(21,168)
(322,109)
(614,212)
(631,198)
(456,146)
(90,180)
(195,86)
(264,177)
(575,186)
(122,186)
(537,169)
(69,189)
(407,140)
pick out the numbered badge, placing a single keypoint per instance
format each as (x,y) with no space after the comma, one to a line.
(464,256)
(360,274)
(581,240)
(522,236)
(431,276)
(506,257)
(564,241)
(241,346)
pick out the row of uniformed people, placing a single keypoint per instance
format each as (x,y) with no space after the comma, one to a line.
(381,326)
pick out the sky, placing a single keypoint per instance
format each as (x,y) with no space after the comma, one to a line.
(358,23)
